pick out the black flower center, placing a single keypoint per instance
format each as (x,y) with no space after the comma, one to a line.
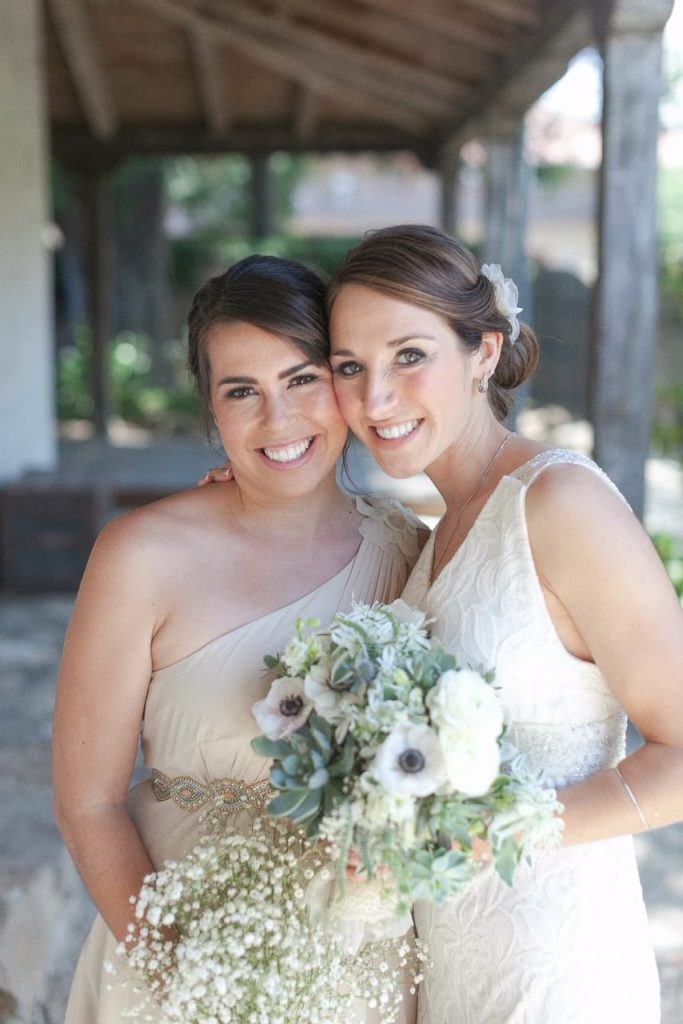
(411,761)
(290,707)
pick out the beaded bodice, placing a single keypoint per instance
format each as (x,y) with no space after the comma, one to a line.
(489,610)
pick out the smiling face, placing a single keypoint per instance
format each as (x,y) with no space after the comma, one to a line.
(275,411)
(404,383)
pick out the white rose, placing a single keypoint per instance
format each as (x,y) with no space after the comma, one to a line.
(410,762)
(284,710)
(463,701)
(472,762)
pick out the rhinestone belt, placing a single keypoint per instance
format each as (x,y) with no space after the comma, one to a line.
(225,794)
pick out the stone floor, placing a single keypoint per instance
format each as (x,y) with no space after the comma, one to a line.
(43,911)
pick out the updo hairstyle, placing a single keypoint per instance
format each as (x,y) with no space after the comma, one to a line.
(423,266)
(277,295)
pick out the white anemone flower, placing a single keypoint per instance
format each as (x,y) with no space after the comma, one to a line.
(284,710)
(410,762)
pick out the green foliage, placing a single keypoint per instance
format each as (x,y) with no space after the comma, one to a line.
(321,254)
(671,552)
(667,426)
(133,393)
(670,203)
(214,196)
(552,176)
(74,400)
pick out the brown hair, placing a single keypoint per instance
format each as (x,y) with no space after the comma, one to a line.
(423,266)
(277,295)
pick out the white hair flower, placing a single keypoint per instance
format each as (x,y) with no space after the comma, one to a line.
(507,296)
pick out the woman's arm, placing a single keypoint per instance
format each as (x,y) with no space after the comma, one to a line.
(101,693)
(610,595)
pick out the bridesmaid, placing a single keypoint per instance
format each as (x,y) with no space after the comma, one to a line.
(182,598)
(540,570)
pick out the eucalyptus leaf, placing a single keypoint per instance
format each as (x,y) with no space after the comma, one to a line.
(506,860)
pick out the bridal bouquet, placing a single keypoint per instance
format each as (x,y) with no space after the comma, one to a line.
(381,743)
(225,936)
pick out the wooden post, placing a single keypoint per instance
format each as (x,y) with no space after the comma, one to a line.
(262,208)
(449,172)
(507,182)
(507,177)
(625,310)
(98,242)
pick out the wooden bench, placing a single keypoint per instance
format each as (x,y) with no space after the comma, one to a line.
(47,531)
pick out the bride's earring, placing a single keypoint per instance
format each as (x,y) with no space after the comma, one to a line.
(483,385)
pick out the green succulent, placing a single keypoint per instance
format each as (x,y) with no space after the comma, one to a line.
(308,770)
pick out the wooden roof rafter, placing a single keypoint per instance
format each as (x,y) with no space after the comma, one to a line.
(227,75)
(515,11)
(537,61)
(448,25)
(400,33)
(292,65)
(430,92)
(209,82)
(85,66)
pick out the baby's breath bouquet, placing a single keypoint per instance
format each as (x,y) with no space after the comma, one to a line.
(225,936)
(381,743)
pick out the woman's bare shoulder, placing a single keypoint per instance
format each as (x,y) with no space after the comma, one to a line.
(172,517)
(143,548)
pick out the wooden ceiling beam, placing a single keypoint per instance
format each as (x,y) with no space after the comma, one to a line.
(85,66)
(292,66)
(77,148)
(209,82)
(391,74)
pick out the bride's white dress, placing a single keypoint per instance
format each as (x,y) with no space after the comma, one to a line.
(568,943)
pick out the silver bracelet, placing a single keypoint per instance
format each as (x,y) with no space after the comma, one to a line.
(632,798)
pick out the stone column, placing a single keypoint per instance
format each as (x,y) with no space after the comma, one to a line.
(625,321)
(27,387)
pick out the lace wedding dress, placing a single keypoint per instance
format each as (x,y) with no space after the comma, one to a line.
(568,943)
(197,731)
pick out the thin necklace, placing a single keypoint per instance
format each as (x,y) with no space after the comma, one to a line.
(437,566)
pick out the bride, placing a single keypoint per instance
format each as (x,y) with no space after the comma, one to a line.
(182,598)
(539,569)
